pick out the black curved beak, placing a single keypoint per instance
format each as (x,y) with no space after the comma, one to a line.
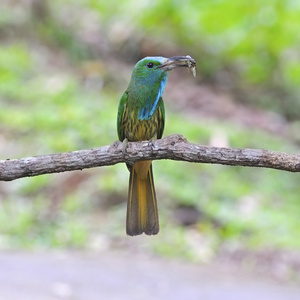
(178,61)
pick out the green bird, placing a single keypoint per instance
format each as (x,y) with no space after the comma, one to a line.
(141,116)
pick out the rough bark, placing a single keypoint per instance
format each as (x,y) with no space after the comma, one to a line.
(174,147)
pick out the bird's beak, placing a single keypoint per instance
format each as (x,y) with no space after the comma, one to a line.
(178,61)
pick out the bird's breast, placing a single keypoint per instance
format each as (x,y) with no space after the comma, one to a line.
(140,130)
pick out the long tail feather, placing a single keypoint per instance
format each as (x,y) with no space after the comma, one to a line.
(142,213)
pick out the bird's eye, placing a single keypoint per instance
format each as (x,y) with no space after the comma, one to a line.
(150,65)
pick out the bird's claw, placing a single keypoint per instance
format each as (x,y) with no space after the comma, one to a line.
(124,147)
(151,144)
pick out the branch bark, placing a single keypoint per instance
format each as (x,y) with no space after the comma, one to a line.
(174,147)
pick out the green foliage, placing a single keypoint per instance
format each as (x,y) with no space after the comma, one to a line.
(252,206)
(49,108)
(28,223)
(256,42)
(14,67)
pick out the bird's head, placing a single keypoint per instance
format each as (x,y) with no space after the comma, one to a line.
(149,78)
(154,69)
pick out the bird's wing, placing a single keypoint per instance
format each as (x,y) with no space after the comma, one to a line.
(161,118)
(121,110)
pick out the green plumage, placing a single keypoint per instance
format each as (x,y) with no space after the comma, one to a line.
(134,129)
(141,111)
(141,116)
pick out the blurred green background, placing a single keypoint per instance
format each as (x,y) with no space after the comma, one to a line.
(63,68)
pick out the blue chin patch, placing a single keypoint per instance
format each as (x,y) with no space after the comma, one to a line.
(148,110)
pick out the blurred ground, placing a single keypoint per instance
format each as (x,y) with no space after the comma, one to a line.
(120,275)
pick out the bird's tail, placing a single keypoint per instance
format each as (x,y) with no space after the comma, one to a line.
(142,213)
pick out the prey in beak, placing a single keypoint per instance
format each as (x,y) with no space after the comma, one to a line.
(179,61)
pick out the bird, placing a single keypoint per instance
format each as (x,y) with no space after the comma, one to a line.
(141,117)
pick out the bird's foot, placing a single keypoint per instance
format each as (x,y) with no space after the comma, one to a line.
(125,144)
(151,143)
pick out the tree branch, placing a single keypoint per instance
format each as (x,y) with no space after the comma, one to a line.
(174,147)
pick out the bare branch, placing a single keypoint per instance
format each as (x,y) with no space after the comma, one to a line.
(174,147)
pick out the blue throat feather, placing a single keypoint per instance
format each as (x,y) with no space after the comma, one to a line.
(148,110)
